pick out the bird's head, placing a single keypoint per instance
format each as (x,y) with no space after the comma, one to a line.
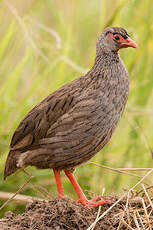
(113,39)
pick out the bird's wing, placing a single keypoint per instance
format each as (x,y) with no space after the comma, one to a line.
(37,122)
(74,137)
(71,140)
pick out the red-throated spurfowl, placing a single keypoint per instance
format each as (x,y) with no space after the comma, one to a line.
(75,122)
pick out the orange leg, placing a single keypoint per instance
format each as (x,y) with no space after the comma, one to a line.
(81,195)
(58,183)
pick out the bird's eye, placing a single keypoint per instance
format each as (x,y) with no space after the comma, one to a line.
(117,38)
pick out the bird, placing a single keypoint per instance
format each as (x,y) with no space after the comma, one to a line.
(72,124)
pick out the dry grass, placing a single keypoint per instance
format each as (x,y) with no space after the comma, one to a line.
(131,213)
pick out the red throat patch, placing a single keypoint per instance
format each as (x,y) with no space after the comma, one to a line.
(116,51)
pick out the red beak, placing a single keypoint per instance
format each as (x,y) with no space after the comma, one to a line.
(130,42)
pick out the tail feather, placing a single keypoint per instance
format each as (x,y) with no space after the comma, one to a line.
(11,163)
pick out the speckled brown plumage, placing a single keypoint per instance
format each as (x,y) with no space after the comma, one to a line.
(72,124)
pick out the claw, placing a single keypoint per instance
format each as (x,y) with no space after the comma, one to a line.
(92,203)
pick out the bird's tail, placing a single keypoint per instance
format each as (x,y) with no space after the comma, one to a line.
(11,163)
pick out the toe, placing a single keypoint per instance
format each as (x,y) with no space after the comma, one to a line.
(98,203)
(93,203)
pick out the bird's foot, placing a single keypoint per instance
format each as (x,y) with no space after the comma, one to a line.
(95,202)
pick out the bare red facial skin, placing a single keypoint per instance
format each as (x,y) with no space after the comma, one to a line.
(123,41)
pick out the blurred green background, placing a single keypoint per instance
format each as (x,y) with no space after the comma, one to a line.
(45,44)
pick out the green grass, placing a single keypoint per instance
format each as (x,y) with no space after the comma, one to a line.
(45,44)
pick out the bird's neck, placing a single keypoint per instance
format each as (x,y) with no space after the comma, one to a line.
(105,61)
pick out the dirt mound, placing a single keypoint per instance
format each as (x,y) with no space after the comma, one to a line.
(66,214)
